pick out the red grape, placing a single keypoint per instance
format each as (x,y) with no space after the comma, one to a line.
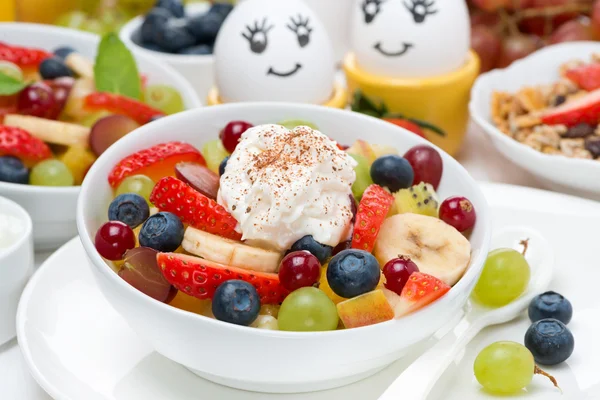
(141,271)
(299,269)
(458,212)
(199,177)
(426,163)
(487,19)
(487,45)
(492,5)
(572,31)
(113,239)
(61,87)
(106,131)
(230,135)
(595,22)
(38,100)
(517,47)
(397,271)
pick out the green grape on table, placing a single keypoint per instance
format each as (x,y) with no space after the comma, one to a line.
(94,26)
(51,173)
(504,367)
(308,309)
(72,19)
(137,184)
(505,277)
(292,123)
(164,98)
(12,70)
(214,152)
(363,175)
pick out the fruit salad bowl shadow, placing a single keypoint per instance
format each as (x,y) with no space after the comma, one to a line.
(52,209)
(263,360)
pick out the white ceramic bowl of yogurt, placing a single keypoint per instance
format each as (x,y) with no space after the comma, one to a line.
(262,360)
(16,262)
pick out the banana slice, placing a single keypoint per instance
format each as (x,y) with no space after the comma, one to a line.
(82,65)
(50,131)
(436,247)
(229,252)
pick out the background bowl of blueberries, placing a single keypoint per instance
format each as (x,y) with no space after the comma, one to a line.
(180,36)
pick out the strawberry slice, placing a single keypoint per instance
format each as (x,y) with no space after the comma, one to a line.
(587,77)
(22,56)
(21,144)
(155,162)
(115,103)
(584,109)
(372,210)
(420,290)
(200,278)
(193,208)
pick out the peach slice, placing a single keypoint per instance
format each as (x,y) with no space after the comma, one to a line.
(367,309)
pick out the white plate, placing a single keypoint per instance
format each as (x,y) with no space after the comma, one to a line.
(77,347)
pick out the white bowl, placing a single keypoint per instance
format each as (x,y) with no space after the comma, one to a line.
(16,266)
(52,209)
(572,175)
(261,360)
(197,69)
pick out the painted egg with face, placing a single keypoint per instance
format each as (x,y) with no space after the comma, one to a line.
(410,38)
(274,50)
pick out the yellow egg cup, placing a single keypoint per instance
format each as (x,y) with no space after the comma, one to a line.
(339,98)
(441,100)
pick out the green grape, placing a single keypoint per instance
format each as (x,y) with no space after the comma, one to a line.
(12,70)
(164,98)
(214,152)
(73,19)
(138,184)
(363,175)
(93,26)
(51,173)
(308,309)
(504,367)
(505,277)
(265,322)
(292,123)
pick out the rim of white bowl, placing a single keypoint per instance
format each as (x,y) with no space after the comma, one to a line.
(477,98)
(24,216)
(189,95)
(470,275)
(134,25)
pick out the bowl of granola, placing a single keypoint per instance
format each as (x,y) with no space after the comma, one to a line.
(542,114)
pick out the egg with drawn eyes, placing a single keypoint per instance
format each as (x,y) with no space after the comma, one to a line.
(274,50)
(410,38)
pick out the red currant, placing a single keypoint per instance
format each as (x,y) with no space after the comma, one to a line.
(230,135)
(397,271)
(113,239)
(427,165)
(458,212)
(299,269)
(38,100)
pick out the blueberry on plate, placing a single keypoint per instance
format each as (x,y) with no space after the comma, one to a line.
(550,341)
(223,165)
(13,170)
(205,27)
(393,172)
(237,302)
(550,305)
(223,9)
(63,52)
(162,231)
(308,243)
(54,67)
(199,50)
(174,7)
(353,272)
(173,36)
(129,208)
(154,20)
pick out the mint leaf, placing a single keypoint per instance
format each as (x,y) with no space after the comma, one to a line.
(10,85)
(115,70)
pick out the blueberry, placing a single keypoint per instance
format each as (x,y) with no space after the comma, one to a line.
(129,208)
(173,36)
(63,52)
(205,27)
(236,302)
(550,305)
(223,165)
(12,170)
(174,7)
(550,341)
(162,231)
(353,272)
(393,172)
(222,9)
(52,68)
(152,47)
(155,20)
(308,243)
(199,50)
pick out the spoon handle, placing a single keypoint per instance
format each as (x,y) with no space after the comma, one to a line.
(418,379)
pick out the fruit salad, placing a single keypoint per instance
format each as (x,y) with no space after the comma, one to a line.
(560,118)
(277,226)
(59,111)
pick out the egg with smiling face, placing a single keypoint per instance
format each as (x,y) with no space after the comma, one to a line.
(274,50)
(410,38)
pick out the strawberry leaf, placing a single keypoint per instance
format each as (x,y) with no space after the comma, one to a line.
(115,70)
(10,85)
